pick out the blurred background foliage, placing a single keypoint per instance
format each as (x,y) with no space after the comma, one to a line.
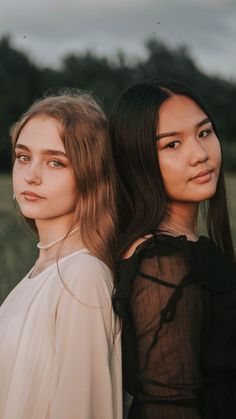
(22,81)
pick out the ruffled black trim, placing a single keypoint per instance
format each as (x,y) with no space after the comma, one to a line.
(208,266)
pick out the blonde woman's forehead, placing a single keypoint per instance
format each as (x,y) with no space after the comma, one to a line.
(41,133)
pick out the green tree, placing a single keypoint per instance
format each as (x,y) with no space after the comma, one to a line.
(100,75)
(18,81)
(22,82)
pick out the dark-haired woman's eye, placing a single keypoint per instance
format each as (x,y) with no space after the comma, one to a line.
(204,133)
(173,144)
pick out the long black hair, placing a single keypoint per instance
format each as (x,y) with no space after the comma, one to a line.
(142,198)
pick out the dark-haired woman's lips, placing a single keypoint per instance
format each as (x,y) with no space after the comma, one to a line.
(203,176)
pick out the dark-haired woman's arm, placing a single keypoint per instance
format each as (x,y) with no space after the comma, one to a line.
(166,309)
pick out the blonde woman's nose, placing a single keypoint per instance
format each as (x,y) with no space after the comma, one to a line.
(33,174)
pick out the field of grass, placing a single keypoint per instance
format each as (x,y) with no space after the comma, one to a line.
(17,242)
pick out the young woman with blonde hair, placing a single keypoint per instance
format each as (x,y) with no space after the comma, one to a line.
(60,344)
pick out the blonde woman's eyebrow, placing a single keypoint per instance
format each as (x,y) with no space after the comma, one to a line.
(53,153)
(22,147)
(43,152)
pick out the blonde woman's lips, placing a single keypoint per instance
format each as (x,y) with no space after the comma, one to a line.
(31,196)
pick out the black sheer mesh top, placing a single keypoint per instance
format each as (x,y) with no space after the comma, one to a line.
(177,300)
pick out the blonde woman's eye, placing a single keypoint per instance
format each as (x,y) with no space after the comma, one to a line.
(56,163)
(22,157)
(204,133)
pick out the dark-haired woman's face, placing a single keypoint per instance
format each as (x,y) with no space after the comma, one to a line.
(188,151)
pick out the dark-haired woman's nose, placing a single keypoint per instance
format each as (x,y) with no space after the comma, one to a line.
(198,153)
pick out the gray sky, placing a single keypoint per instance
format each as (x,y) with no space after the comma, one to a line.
(48,29)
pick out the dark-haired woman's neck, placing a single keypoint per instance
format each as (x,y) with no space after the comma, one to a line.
(181,218)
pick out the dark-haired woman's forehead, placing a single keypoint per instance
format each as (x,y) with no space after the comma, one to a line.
(180,113)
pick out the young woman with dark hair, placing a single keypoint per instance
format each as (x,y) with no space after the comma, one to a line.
(175,291)
(60,342)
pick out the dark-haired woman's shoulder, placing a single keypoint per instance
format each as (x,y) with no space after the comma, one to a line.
(172,258)
(132,249)
(156,256)
(158,245)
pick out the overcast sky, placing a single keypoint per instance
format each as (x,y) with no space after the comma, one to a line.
(48,29)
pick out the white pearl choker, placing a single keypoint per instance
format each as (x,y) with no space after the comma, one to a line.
(51,244)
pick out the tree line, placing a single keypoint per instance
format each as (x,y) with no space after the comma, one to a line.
(22,82)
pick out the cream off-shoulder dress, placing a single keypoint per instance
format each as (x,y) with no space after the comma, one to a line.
(60,350)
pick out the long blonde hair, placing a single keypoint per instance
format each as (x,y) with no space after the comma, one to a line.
(84,133)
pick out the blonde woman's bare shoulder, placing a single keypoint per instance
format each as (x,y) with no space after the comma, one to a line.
(135,245)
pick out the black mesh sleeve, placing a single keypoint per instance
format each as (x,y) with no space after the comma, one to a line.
(166,311)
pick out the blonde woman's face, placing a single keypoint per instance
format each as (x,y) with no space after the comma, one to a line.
(43,179)
(188,151)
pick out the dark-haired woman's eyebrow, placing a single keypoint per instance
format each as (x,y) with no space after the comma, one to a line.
(172,134)
(166,134)
(203,122)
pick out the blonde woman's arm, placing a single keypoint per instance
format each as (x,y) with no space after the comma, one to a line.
(87,371)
